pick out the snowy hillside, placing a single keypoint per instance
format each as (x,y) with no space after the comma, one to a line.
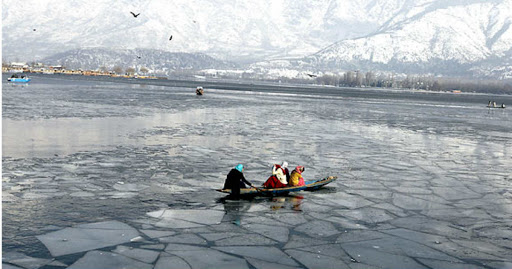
(435,37)
(232,30)
(153,60)
(413,36)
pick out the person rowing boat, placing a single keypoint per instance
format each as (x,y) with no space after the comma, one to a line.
(235,180)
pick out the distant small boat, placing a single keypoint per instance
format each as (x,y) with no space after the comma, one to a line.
(199,91)
(15,78)
(493,104)
(502,106)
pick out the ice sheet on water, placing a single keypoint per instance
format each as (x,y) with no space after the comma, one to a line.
(345,200)
(346,223)
(290,218)
(359,235)
(269,254)
(204,258)
(373,194)
(245,240)
(317,228)
(143,255)
(157,233)
(427,225)
(485,247)
(10,266)
(184,239)
(296,241)
(410,190)
(100,259)
(249,220)
(271,231)
(260,264)
(176,224)
(399,246)
(312,260)
(191,216)
(218,236)
(157,246)
(379,258)
(87,237)
(28,262)
(168,261)
(414,203)
(367,214)
(183,247)
(455,193)
(433,263)
(331,250)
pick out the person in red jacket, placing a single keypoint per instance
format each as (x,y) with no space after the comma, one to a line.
(278,179)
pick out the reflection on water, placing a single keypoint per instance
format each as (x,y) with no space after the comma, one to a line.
(63,136)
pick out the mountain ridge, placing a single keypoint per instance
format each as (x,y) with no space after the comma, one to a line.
(397,36)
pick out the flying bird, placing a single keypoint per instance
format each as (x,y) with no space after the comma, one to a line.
(170,38)
(34,29)
(138,57)
(135,15)
(312,76)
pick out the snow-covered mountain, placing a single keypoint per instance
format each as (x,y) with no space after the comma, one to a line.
(153,60)
(231,30)
(443,37)
(398,35)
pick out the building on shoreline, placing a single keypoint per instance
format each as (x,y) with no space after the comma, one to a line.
(59,69)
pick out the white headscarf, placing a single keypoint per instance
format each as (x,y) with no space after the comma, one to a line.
(284,165)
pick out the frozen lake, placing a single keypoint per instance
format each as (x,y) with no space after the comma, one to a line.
(99,174)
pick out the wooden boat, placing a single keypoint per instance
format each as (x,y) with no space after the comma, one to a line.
(199,91)
(310,185)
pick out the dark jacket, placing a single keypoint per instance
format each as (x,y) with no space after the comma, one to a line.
(234,181)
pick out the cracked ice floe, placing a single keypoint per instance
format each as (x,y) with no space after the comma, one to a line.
(168,261)
(274,232)
(201,257)
(143,255)
(24,261)
(99,259)
(157,234)
(186,218)
(317,228)
(369,215)
(397,246)
(184,238)
(414,203)
(87,237)
(269,254)
(312,260)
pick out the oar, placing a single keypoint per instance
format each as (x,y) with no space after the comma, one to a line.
(258,189)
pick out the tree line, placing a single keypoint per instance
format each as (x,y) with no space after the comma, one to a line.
(428,83)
